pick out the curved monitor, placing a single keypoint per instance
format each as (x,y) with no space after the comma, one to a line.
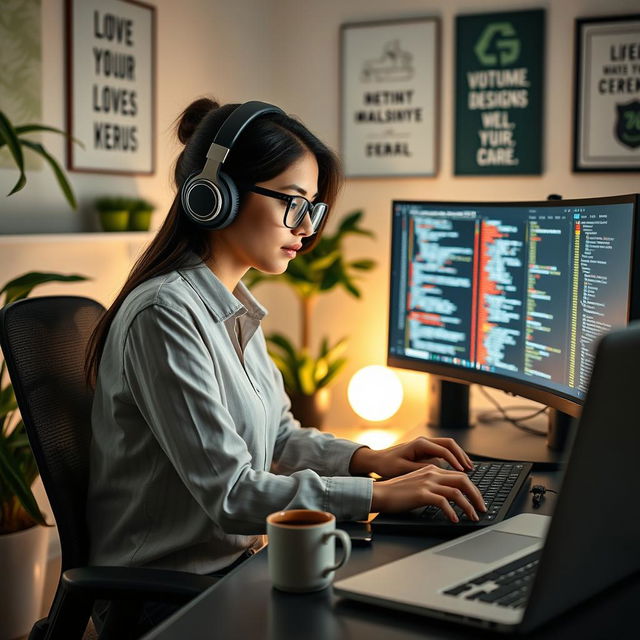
(513,295)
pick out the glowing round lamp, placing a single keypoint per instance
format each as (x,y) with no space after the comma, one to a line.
(375,393)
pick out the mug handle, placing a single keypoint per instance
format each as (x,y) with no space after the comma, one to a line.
(344,538)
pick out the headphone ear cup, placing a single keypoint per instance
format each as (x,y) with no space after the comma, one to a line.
(201,200)
(230,202)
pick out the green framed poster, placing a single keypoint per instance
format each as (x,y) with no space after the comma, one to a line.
(499,92)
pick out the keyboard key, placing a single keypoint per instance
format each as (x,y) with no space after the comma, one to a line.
(454,591)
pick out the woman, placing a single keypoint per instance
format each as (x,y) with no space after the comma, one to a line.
(193,442)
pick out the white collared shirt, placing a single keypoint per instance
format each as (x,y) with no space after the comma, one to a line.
(193,441)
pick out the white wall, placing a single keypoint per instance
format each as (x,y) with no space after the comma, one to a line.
(306,66)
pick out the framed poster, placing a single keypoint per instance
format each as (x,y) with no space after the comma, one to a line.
(607,94)
(389,97)
(499,93)
(111,86)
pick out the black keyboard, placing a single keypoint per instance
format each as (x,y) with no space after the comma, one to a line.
(499,482)
(496,481)
(507,586)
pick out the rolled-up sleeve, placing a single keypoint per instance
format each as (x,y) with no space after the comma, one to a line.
(172,378)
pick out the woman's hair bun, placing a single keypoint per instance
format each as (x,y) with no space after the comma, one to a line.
(191,117)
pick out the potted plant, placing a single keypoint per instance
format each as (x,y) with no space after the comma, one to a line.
(113,212)
(13,138)
(23,544)
(307,377)
(140,214)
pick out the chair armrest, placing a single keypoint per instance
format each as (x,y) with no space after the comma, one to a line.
(138,583)
(130,587)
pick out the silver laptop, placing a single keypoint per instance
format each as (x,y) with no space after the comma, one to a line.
(528,569)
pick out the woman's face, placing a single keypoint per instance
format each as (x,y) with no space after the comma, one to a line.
(257,237)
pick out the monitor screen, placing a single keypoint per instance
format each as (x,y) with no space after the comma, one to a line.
(511,295)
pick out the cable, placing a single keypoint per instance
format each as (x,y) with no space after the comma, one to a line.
(514,421)
(538,492)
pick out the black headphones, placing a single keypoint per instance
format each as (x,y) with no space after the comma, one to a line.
(210,198)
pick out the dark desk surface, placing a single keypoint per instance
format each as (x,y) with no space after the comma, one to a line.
(244,605)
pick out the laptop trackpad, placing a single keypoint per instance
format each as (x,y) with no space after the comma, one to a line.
(488,547)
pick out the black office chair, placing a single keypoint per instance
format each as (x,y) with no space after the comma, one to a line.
(44,340)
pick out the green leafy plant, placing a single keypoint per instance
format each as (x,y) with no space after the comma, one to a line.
(18,507)
(13,138)
(311,275)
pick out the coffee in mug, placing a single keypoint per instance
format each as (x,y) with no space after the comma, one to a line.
(301,549)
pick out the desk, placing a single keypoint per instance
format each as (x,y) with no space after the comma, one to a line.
(243,605)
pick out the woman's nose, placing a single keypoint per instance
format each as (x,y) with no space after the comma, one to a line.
(305,228)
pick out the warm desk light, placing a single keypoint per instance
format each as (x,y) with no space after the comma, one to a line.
(375,394)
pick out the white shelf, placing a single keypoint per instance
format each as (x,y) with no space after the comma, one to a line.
(59,238)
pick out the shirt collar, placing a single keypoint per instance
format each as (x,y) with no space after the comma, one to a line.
(221,302)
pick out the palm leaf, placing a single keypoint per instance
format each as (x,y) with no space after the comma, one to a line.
(350,222)
(29,128)
(324,347)
(332,276)
(10,474)
(22,286)
(9,137)
(334,369)
(350,287)
(57,171)
(285,345)
(306,374)
(289,374)
(337,349)
(320,370)
(18,437)
(298,269)
(7,402)
(324,262)
(362,265)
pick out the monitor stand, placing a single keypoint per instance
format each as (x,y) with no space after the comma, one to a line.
(449,417)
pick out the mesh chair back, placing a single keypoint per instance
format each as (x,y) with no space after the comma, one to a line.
(44,340)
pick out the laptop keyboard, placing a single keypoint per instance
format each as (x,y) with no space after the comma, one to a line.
(495,481)
(507,586)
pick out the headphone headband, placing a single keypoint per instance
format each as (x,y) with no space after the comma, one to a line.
(210,197)
(239,118)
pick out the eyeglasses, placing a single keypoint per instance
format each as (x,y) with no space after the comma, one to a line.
(297,207)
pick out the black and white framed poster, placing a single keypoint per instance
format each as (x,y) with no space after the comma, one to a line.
(499,93)
(607,94)
(111,86)
(389,97)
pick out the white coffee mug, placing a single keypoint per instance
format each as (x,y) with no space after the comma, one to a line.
(302,551)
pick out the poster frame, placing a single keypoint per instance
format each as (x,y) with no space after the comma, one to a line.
(73,83)
(579,133)
(433,79)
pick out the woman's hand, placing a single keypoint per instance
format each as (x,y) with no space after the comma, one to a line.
(409,456)
(429,485)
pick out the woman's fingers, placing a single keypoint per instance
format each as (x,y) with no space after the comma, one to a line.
(456,449)
(452,493)
(432,448)
(439,500)
(461,482)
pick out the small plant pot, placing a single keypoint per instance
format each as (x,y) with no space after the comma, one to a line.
(23,558)
(139,220)
(310,410)
(114,220)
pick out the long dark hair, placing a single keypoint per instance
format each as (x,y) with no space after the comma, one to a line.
(266,147)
